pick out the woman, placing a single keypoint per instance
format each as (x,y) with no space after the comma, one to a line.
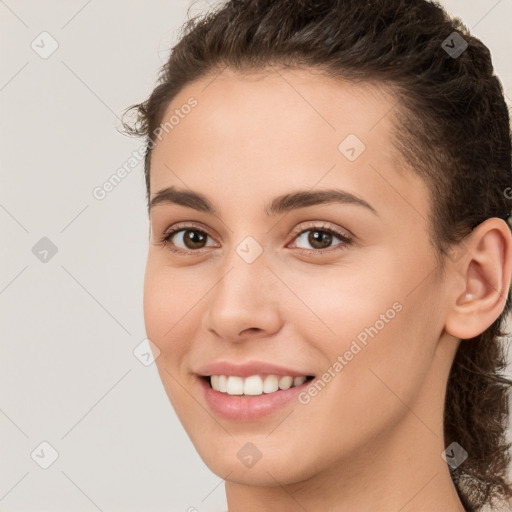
(328,275)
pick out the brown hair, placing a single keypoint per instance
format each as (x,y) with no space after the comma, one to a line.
(452,128)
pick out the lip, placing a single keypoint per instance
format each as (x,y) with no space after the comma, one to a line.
(247,369)
(248,408)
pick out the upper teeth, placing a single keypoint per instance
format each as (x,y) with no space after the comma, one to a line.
(253,385)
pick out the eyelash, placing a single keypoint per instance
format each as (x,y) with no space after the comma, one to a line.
(346,241)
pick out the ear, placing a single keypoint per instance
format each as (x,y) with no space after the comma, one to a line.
(479,279)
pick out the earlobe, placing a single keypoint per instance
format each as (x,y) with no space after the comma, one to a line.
(480,280)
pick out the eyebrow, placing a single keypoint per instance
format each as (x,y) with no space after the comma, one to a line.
(280,204)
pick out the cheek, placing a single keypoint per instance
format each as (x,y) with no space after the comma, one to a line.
(168,318)
(168,312)
(376,335)
(158,314)
(373,368)
(333,306)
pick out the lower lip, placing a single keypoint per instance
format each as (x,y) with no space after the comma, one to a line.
(248,408)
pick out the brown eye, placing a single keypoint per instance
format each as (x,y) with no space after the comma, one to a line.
(194,239)
(186,240)
(319,239)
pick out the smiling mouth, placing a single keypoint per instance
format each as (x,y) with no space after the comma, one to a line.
(254,385)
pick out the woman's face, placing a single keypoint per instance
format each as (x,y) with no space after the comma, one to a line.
(266,283)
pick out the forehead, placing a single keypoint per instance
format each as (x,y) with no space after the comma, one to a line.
(275,98)
(284,129)
(297,105)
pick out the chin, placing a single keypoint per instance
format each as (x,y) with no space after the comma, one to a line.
(245,463)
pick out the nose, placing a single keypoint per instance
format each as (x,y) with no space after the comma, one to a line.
(244,302)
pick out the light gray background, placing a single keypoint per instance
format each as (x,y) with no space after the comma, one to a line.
(69,326)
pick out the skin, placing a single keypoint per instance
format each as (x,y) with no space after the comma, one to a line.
(372,438)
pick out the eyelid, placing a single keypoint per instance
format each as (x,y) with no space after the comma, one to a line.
(183,225)
(321,225)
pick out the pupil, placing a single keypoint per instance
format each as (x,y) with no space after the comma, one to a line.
(320,237)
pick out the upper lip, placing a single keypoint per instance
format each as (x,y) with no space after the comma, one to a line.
(247,369)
